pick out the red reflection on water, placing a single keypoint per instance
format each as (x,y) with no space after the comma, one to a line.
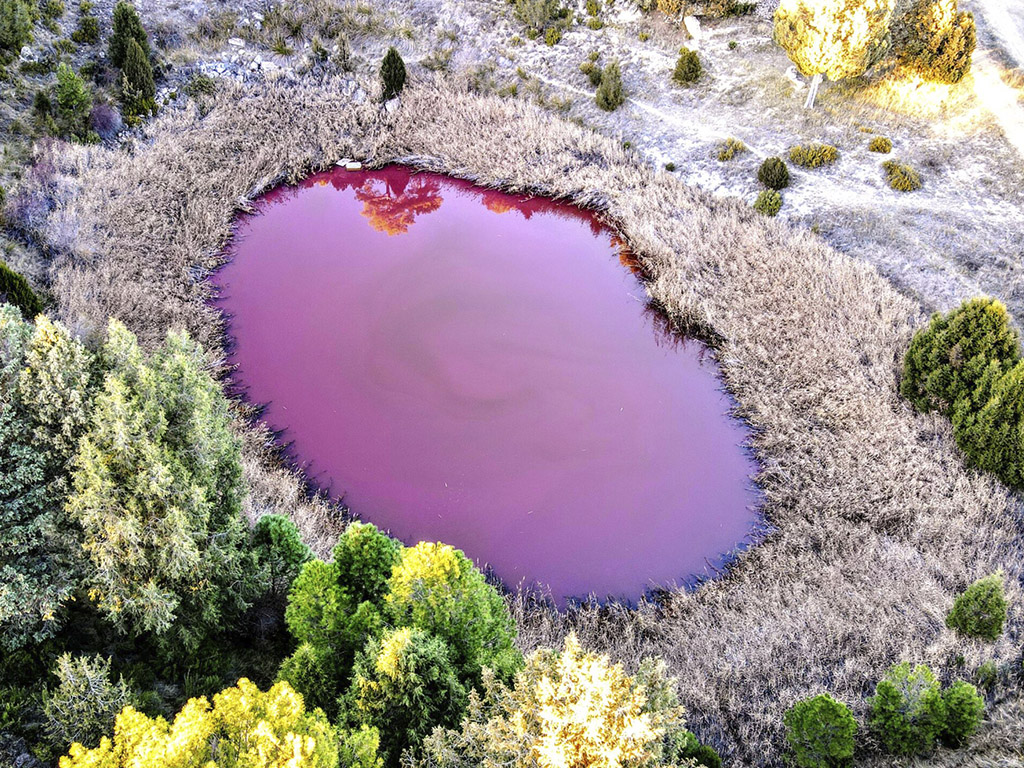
(460,373)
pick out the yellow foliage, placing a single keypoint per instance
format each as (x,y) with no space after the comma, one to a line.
(244,728)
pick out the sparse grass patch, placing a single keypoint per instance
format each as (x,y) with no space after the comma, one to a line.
(813,155)
(901,177)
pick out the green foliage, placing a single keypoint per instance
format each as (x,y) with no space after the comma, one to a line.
(773,173)
(901,177)
(987,675)
(947,360)
(552,35)
(52,9)
(593,71)
(138,90)
(88,30)
(768,202)
(813,155)
(837,39)
(83,706)
(280,552)
(729,148)
(437,588)
(46,384)
(964,708)
(157,492)
(989,427)
(939,41)
(980,612)
(880,144)
(243,728)
(15,290)
(820,733)
(365,558)
(405,683)
(15,27)
(359,748)
(73,102)
(688,67)
(392,74)
(610,93)
(126,27)
(539,15)
(314,673)
(906,712)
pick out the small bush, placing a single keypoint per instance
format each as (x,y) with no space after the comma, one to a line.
(733,45)
(595,24)
(592,71)
(906,712)
(989,426)
(729,148)
(85,703)
(813,155)
(552,36)
(986,676)
(15,290)
(74,103)
(900,177)
(964,708)
(610,93)
(880,144)
(820,733)
(769,202)
(670,167)
(773,173)
(980,612)
(88,30)
(138,91)
(52,9)
(539,15)
(392,74)
(593,7)
(687,69)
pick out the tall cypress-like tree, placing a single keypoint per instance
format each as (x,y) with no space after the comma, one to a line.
(127,26)
(392,74)
(138,91)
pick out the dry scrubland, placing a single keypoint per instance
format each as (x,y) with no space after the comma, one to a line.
(877,525)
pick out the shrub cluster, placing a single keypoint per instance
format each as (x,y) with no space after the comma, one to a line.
(880,144)
(939,41)
(729,148)
(540,15)
(688,67)
(820,733)
(967,365)
(768,202)
(88,30)
(611,94)
(773,173)
(900,177)
(910,714)
(813,155)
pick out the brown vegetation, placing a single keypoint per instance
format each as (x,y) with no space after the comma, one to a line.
(877,525)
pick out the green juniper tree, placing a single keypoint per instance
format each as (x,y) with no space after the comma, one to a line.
(980,612)
(73,103)
(610,93)
(392,74)
(127,26)
(138,91)
(820,733)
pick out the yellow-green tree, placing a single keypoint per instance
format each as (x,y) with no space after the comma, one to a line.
(568,709)
(243,728)
(833,38)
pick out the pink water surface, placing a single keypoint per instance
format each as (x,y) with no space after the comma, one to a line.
(462,365)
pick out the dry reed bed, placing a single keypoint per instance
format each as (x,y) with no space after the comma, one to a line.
(878,524)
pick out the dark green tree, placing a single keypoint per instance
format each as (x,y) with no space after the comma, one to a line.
(947,360)
(127,26)
(820,733)
(15,27)
(73,103)
(392,74)
(980,612)
(964,709)
(906,712)
(773,173)
(14,289)
(280,552)
(687,69)
(138,91)
(989,425)
(405,685)
(611,94)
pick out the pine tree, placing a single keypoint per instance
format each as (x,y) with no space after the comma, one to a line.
(138,90)
(837,39)
(392,74)
(73,103)
(127,26)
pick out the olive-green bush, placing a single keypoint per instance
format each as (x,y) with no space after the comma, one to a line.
(392,74)
(15,27)
(989,427)
(880,144)
(773,173)
(813,155)
(963,709)
(820,733)
(980,612)
(14,289)
(906,713)
(768,202)
(688,67)
(138,89)
(729,148)
(85,702)
(901,177)
(611,94)
(74,102)
(938,41)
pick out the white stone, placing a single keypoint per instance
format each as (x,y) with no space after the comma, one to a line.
(237,42)
(354,165)
(692,24)
(794,77)
(258,16)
